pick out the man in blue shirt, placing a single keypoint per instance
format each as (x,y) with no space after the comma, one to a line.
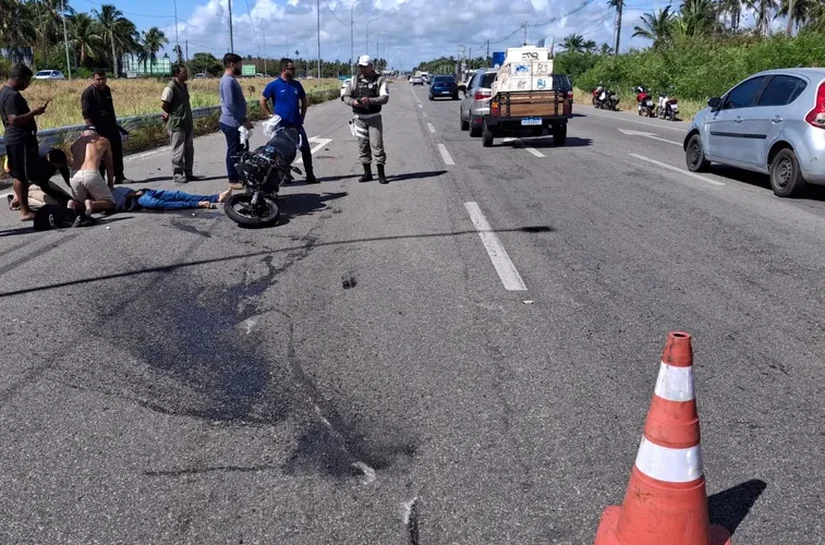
(290,104)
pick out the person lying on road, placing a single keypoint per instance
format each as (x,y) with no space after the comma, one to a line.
(130,200)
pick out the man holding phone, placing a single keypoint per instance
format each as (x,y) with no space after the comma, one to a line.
(20,137)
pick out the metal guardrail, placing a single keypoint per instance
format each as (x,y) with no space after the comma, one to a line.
(55,136)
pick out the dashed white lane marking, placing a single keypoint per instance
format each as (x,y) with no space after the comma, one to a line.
(520,144)
(507,272)
(445,155)
(676,169)
(424,113)
(421,106)
(430,126)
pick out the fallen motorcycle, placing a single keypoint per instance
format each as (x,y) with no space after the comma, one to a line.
(262,172)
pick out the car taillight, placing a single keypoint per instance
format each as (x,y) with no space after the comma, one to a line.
(569,94)
(481,94)
(816,117)
(494,109)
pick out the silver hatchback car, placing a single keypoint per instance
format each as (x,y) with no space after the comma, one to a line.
(476,102)
(773,122)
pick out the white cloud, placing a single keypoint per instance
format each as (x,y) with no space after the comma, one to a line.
(408,31)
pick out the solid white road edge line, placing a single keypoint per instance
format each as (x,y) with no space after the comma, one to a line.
(534,151)
(676,169)
(445,155)
(498,255)
(430,126)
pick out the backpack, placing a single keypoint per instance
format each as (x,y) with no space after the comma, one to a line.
(51,216)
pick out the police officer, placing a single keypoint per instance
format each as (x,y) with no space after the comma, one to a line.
(366,94)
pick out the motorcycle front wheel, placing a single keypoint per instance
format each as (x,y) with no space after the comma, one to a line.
(239,209)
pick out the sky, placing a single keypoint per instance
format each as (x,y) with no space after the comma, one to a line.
(405,32)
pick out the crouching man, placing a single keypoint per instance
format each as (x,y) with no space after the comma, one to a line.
(88,187)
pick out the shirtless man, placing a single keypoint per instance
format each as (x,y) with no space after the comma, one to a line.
(87,184)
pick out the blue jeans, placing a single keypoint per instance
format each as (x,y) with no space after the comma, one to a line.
(233,148)
(154,199)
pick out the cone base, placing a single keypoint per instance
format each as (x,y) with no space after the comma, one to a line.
(606,534)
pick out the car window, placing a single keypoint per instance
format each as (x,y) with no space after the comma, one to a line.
(560,81)
(782,90)
(489,78)
(744,94)
(472,83)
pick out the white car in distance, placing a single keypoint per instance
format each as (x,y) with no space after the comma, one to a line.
(49,74)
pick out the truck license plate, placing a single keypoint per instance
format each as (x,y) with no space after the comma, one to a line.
(531,121)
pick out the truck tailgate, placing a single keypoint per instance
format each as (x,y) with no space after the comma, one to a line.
(530,104)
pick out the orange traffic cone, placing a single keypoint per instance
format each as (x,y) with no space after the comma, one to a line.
(666,502)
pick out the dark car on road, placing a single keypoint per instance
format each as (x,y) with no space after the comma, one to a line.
(444,86)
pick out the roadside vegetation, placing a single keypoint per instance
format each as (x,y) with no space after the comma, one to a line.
(698,50)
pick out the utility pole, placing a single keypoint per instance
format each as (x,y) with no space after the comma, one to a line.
(318,10)
(187,49)
(231,37)
(619,6)
(488,50)
(177,35)
(790,17)
(66,41)
(525,32)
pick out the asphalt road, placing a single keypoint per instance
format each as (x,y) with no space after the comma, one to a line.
(173,379)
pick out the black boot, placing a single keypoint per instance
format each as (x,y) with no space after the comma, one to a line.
(367,177)
(310,178)
(382,178)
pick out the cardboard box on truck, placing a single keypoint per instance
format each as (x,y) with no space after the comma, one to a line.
(521,76)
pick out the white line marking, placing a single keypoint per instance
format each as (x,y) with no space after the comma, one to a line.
(321,143)
(520,144)
(146,154)
(675,169)
(651,135)
(445,155)
(424,113)
(421,106)
(430,126)
(498,255)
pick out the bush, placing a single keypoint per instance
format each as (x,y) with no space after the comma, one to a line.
(700,68)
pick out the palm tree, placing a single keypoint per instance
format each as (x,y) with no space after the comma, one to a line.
(85,37)
(116,29)
(763,9)
(153,41)
(573,42)
(16,26)
(732,9)
(605,49)
(699,17)
(802,10)
(590,46)
(656,26)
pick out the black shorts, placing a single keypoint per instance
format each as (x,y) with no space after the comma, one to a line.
(24,160)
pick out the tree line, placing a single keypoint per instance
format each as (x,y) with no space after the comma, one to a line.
(699,50)
(98,40)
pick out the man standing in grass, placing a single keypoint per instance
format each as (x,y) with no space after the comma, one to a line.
(21,136)
(233,114)
(99,112)
(290,103)
(177,114)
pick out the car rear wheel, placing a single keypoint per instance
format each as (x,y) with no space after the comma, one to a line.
(475,127)
(786,176)
(559,134)
(486,136)
(465,125)
(695,155)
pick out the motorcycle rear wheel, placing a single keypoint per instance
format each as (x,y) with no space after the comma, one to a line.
(265,214)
